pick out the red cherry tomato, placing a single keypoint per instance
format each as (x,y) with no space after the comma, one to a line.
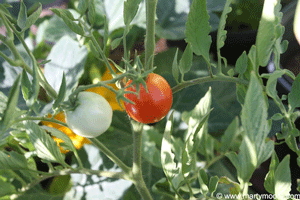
(150,107)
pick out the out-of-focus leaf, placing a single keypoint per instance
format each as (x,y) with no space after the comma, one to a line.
(293,96)
(33,17)
(68,58)
(92,12)
(6,188)
(22,17)
(9,112)
(82,6)
(61,93)
(12,160)
(130,10)
(68,18)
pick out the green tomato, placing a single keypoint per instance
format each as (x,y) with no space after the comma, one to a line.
(91,117)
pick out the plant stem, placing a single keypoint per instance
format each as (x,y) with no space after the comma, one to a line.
(110,155)
(137,162)
(196,81)
(43,80)
(150,33)
(41,119)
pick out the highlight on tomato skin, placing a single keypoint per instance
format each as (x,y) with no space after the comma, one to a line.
(153,106)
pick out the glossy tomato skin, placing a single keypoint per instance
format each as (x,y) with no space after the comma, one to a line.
(91,117)
(150,107)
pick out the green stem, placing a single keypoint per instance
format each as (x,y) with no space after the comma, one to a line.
(41,119)
(196,81)
(46,175)
(150,33)
(110,155)
(43,80)
(102,55)
(137,162)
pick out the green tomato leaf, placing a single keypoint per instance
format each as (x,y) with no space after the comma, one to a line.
(35,86)
(194,117)
(46,147)
(23,139)
(241,63)
(221,36)
(235,189)
(198,29)
(269,183)
(163,187)
(282,178)
(293,96)
(82,6)
(22,16)
(149,150)
(106,33)
(252,56)
(241,91)
(57,133)
(64,61)
(130,9)
(229,135)
(186,60)
(254,118)
(92,12)
(12,102)
(248,160)
(272,82)
(116,42)
(6,188)
(277,116)
(203,181)
(265,152)
(33,17)
(94,49)
(61,93)
(169,165)
(190,148)
(26,85)
(213,184)
(4,10)
(12,160)
(68,18)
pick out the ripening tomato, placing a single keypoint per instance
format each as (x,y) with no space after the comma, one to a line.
(150,107)
(91,117)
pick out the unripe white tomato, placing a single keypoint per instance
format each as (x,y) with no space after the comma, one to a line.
(91,117)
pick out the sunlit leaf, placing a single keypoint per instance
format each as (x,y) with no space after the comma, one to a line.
(283,178)
(46,147)
(198,29)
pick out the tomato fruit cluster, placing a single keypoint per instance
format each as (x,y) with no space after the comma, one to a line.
(149,107)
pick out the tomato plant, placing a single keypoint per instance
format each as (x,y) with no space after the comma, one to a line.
(91,117)
(152,105)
